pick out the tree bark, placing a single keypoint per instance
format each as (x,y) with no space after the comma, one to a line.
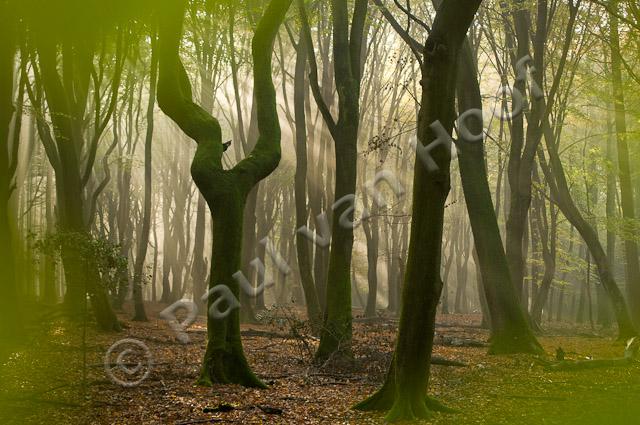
(521,158)
(225,191)
(335,338)
(403,393)
(510,330)
(547,230)
(75,210)
(302,244)
(632,264)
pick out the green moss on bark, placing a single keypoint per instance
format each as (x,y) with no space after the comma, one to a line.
(225,191)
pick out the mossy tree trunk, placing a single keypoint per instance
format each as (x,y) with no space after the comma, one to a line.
(510,331)
(404,392)
(225,191)
(521,155)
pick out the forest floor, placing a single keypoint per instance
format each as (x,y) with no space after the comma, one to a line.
(43,380)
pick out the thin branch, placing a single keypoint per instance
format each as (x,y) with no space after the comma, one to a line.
(415,46)
(313,74)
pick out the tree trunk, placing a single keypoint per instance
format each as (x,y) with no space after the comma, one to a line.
(510,330)
(547,232)
(403,392)
(143,238)
(632,264)
(9,288)
(554,173)
(394,276)
(605,316)
(335,338)
(225,191)
(520,163)
(560,304)
(50,295)
(462,263)
(302,244)
(168,246)
(370,226)
(482,298)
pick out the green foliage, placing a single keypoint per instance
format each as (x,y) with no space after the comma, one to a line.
(98,253)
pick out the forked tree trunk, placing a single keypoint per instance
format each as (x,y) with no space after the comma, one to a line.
(335,338)
(336,332)
(521,158)
(225,191)
(72,203)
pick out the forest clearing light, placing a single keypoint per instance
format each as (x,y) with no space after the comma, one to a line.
(225,301)
(524,68)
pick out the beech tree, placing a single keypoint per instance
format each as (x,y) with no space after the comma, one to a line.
(225,190)
(143,238)
(75,88)
(302,247)
(348,45)
(632,264)
(403,392)
(510,331)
